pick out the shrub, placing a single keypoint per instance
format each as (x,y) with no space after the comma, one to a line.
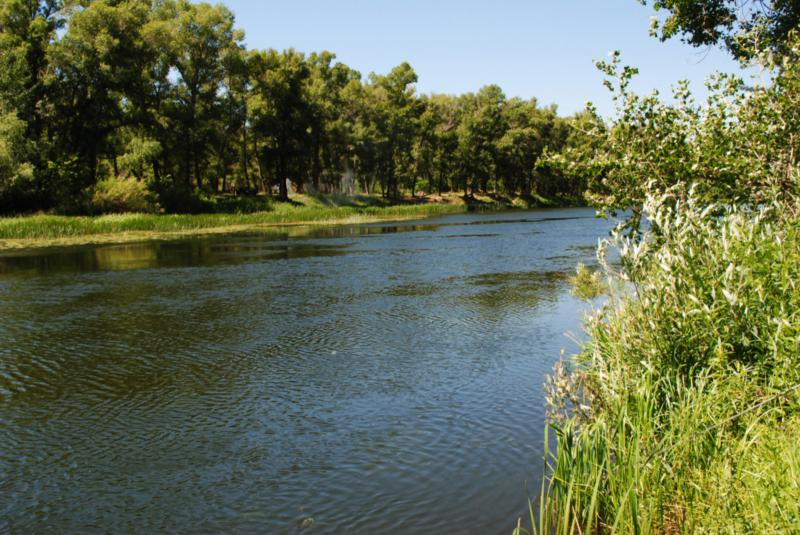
(739,146)
(121,195)
(179,199)
(689,379)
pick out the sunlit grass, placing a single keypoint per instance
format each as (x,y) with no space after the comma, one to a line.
(682,412)
(304,210)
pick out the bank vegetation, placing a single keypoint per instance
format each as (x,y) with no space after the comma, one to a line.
(681,413)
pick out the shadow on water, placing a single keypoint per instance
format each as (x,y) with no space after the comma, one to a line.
(161,255)
(373,377)
(238,248)
(270,244)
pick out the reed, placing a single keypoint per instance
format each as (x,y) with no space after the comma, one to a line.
(682,411)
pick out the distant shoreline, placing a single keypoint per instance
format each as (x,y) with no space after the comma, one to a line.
(42,231)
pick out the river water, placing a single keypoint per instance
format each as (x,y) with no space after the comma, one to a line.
(380,378)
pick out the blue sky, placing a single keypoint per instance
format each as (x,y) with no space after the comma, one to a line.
(528,47)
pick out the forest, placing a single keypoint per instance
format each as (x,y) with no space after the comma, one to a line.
(199,359)
(134,105)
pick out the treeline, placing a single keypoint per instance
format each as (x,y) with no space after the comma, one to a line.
(164,94)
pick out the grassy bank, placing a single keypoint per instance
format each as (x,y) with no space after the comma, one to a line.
(49,230)
(682,413)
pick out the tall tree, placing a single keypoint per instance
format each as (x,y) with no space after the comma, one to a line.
(94,66)
(203,40)
(164,92)
(744,28)
(279,112)
(27,29)
(437,142)
(482,125)
(396,112)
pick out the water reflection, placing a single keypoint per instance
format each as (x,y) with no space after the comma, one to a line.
(376,378)
(269,244)
(152,255)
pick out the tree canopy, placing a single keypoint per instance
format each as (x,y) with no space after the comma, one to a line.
(164,95)
(744,28)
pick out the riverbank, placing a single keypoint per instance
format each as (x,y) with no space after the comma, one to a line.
(682,412)
(53,230)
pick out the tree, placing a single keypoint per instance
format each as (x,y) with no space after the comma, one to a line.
(164,95)
(528,133)
(15,166)
(93,67)
(358,121)
(27,29)
(481,126)
(203,41)
(744,28)
(329,135)
(438,142)
(279,112)
(395,112)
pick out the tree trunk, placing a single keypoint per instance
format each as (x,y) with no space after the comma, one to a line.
(315,166)
(192,141)
(197,177)
(283,191)
(245,159)
(260,165)
(187,168)
(526,186)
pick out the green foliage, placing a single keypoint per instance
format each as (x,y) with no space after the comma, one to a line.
(140,153)
(481,126)
(588,284)
(744,28)
(680,412)
(116,195)
(738,147)
(280,111)
(668,419)
(14,167)
(167,93)
(177,198)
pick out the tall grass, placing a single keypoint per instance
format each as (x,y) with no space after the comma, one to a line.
(315,211)
(682,411)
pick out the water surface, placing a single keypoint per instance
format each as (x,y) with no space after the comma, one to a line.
(377,378)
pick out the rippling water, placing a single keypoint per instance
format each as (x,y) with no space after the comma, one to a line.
(375,378)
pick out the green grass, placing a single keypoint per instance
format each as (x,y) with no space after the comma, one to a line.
(41,229)
(682,412)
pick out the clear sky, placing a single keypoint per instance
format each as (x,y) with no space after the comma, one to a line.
(528,47)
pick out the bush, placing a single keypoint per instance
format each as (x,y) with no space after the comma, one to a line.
(121,195)
(688,381)
(739,146)
(587,284)
(237,204)
(177,198)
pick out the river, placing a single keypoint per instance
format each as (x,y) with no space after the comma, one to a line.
(382,378)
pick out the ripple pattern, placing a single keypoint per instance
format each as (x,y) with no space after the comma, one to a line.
(375,379)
